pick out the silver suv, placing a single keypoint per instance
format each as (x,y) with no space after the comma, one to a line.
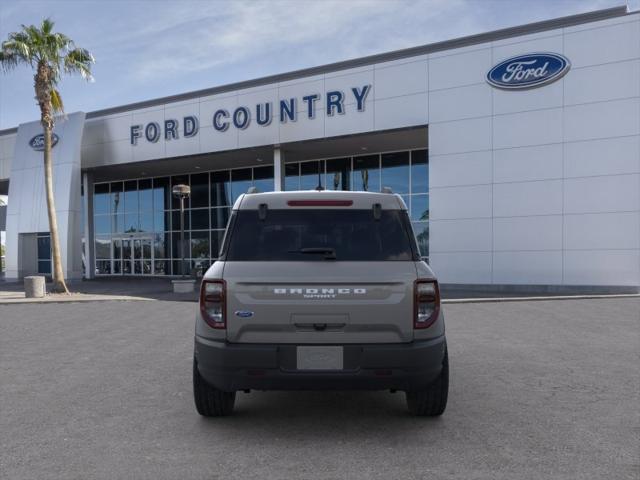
(319,290)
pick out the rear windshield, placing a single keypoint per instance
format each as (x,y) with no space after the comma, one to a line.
(320,235)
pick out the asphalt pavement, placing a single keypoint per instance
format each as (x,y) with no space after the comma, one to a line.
(539,390)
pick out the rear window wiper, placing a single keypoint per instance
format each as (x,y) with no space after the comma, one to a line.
(329,253)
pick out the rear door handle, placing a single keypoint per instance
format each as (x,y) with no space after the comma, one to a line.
(320,327)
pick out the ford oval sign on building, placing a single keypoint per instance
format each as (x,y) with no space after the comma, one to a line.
(37,142)
(528,71)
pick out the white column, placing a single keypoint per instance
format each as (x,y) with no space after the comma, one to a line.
(278,169)
(27,210)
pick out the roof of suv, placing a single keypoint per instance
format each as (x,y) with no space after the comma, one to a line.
(319,199)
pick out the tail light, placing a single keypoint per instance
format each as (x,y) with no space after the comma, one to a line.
(212,303)
(426,303)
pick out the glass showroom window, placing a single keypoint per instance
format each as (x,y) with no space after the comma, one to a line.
(220,207)
(292,176)
(366,173)
(137,222)
(263,178)
(405,172)
(161,226)
(419,198)
(102,228)
(312,175)
(44,252)
(82,232)
(338,174)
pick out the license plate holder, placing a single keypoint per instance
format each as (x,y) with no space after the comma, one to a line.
(320,357)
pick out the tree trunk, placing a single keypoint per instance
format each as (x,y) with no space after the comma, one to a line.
(59,284)
(43,95)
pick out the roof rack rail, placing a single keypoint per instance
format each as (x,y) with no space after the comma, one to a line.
(386,190)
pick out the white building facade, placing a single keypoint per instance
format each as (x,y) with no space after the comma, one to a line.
(517,152)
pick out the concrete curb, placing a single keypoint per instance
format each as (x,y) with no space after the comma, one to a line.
(536,299)
(74,299)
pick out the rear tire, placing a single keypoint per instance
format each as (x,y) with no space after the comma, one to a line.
(432,401)
(211,402)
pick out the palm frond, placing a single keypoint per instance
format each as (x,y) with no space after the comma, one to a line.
(20,46)
(21,37)
(39,46)
(47,26)
(17,48)
(8,60)
(56,101)
(79,60)
(33,37)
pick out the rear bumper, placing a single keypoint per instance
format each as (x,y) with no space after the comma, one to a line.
(405,366)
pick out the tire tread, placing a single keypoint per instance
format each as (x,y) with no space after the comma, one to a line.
(210,402)
(432,401)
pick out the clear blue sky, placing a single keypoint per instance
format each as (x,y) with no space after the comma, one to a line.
(151,48)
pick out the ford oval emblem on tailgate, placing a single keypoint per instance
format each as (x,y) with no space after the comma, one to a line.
(244,313)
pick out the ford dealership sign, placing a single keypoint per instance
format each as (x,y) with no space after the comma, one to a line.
(528,71)
(285,110)
(37,142)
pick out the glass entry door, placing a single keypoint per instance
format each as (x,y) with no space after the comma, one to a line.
(133,256)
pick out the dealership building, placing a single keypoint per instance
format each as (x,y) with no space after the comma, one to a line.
(516,151)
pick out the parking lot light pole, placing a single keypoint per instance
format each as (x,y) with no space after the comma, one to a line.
(182,192)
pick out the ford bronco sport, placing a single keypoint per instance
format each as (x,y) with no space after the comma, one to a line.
(318,290)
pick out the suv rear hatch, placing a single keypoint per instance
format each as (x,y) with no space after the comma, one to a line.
(319,276)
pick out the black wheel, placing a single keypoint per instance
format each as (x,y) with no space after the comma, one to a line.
(432,401)
(210,402)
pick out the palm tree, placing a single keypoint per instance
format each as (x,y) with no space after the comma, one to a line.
(50,55)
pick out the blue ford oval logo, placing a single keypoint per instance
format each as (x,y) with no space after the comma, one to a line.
(244,313)
(528,71)
(37,142)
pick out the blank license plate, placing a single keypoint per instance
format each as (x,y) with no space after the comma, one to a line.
(320,358)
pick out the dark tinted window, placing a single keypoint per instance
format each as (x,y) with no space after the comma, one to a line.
(220,189)
(200,190)
(200,219)
(161,194)
(354,235)
(44,247)
(263,178)
(44,266)
(240,182)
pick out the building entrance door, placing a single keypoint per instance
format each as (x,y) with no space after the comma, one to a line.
(136,254)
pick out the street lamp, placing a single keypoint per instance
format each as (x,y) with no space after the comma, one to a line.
(182,192)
